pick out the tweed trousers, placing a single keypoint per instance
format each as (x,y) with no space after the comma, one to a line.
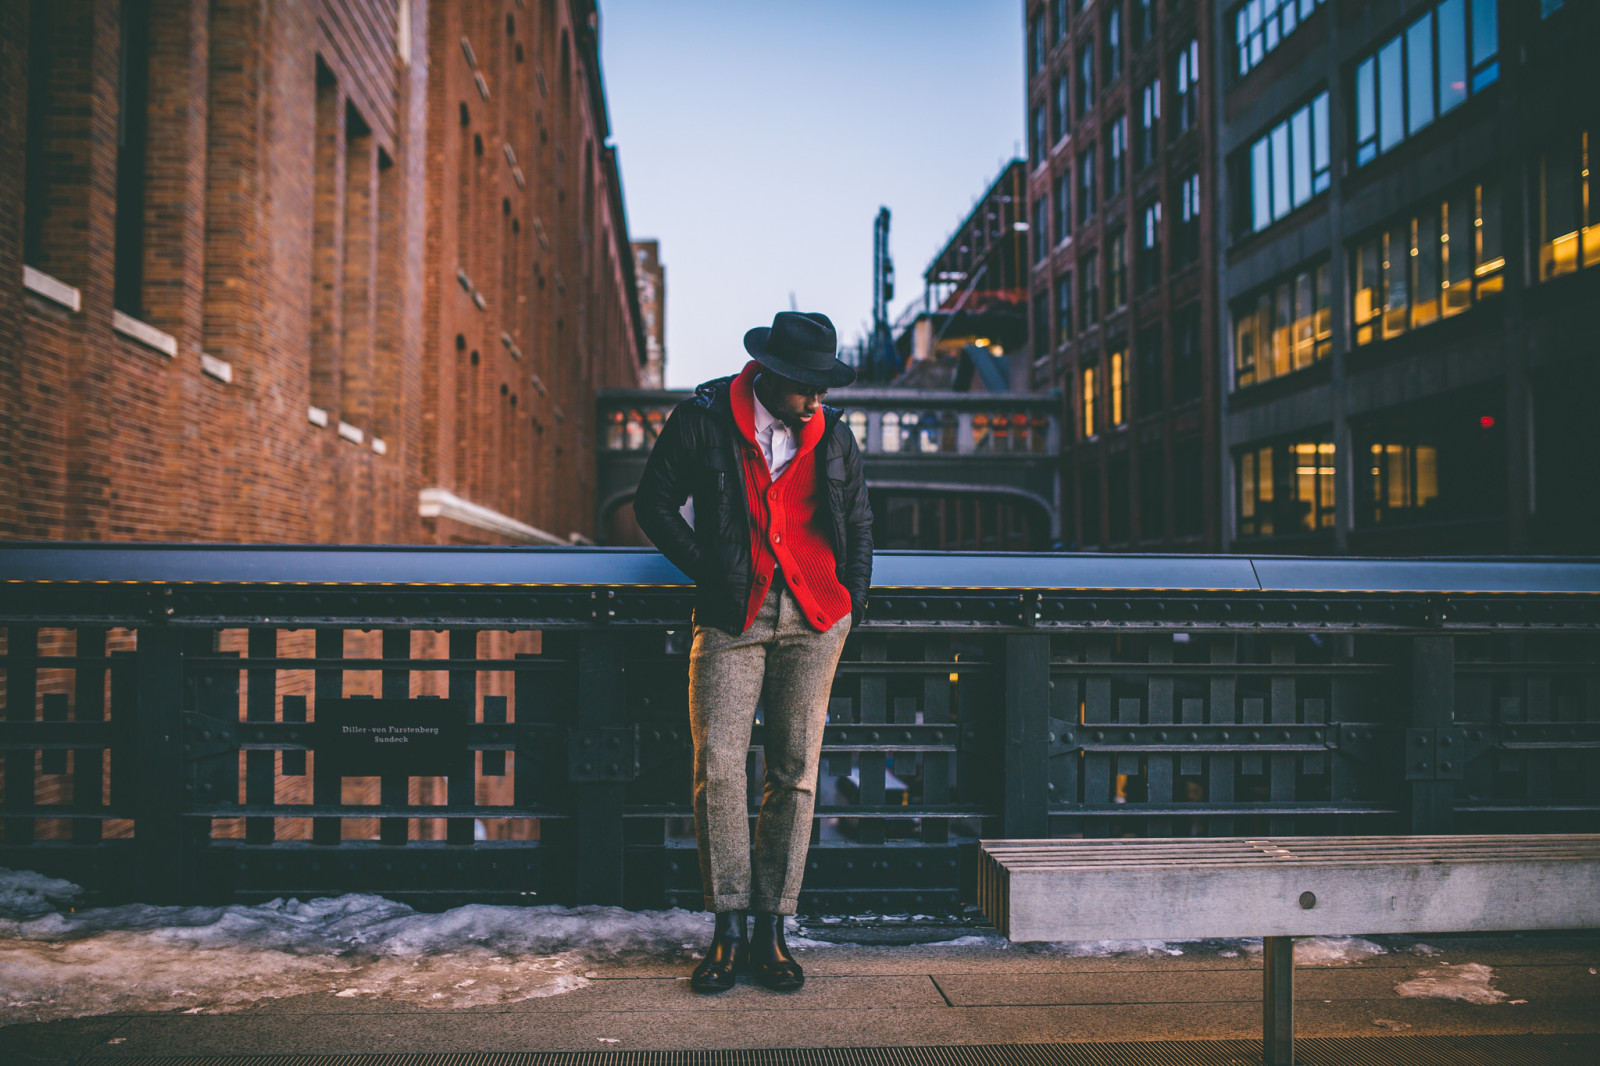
(786,666)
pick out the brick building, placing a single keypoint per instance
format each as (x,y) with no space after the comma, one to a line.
(652,278)
(333,271)
(1122,293)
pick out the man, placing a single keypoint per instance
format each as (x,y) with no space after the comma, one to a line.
(780,550)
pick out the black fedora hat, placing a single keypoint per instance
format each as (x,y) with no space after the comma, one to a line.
(800,346)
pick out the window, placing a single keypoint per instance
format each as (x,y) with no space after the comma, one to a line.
(1423,72)
(1186,369)
(1117,136)
(133,89)
(1568,240)
(1037,144)
(1085,77)
(1147,346)
(1063,215)
(1089,502)
(1119,388)
(1188,485)
(1149,119)
(1285,328)
(1063,309)
(1186,80)
(1118,483)
(1059,18)
(857,421)
(1058,95)
(1036,46)
(1443,460)
(1086,184)
(1186,232)
(1089,289)
(1286,488)
(1152,491)
(1149,270)
(1041,235)
(1144,22)
(1041,324)
(1117,270)
(1089,379)
(1259,25)
(1113,42)
(894,437)
(1427,265)
(1287,167)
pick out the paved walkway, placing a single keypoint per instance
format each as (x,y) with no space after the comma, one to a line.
(890,996)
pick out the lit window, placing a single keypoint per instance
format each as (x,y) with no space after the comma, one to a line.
(1286,488)
(1090,373)
(1286,327)
(1119,388)
(1426,266)
(1425,71)
(1567,238)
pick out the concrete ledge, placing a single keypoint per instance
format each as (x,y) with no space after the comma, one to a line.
(37,281)
(351,433)
(145,334)
(442,503)
(220,369)
(316,416)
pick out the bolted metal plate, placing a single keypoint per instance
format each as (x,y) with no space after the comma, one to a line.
(1511,1050)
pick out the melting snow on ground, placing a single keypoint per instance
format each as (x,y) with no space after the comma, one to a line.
(1468,982)
(59,963)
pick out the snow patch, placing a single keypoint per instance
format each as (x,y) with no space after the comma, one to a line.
(1468,982)
(136,957)
(1324,950)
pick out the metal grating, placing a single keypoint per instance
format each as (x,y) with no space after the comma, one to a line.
(1506,1050)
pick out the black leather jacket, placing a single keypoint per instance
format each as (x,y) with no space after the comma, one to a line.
(697,458)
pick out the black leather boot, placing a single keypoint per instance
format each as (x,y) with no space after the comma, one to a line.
(728,954)
(770,960)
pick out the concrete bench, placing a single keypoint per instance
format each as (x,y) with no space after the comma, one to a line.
(1287,887)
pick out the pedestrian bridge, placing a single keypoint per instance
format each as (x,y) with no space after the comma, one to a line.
(945,470)
(174,716)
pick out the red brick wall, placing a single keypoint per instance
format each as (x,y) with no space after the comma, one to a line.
(322,275)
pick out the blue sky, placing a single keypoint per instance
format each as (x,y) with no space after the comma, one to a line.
(758,139)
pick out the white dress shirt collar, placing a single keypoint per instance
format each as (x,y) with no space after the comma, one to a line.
(777,440)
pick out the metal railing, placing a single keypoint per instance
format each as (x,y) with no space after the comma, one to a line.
(161,742)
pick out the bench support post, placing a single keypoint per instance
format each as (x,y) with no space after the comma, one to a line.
(1277,1043)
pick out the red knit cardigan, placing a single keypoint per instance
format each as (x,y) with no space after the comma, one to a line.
(788,527)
